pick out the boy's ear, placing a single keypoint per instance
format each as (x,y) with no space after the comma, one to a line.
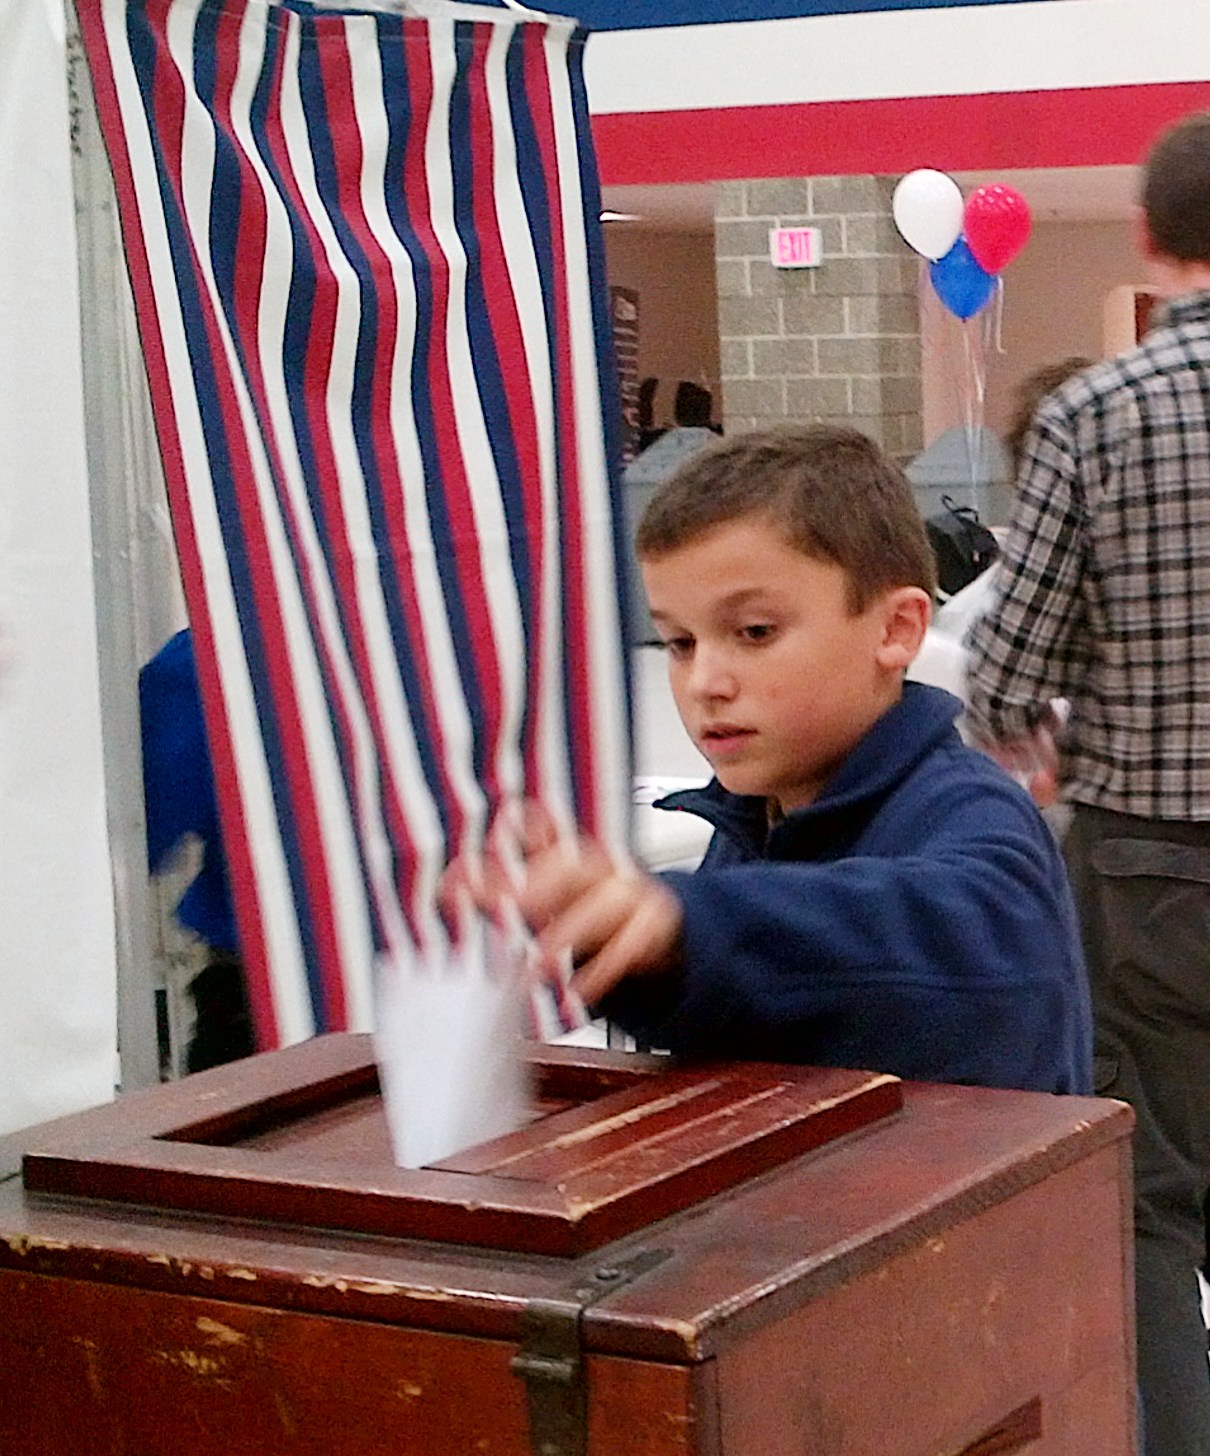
(906,613)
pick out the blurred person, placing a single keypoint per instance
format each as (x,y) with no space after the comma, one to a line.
(648,430)
(1102,599)
(956,616)
(178,790)
(670,449)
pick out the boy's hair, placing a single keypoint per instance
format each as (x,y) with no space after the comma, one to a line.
(1176,190)
(829,490)
(1030,393)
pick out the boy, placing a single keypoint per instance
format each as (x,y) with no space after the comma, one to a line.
(876,894)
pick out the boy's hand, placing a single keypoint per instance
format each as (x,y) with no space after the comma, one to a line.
(1033,762)
(611,917)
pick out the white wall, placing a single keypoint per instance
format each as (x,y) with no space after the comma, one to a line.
(57,957)
(945,51)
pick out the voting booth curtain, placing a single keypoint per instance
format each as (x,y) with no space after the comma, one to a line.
(365,251)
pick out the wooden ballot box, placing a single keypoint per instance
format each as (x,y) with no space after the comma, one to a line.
(736,1260)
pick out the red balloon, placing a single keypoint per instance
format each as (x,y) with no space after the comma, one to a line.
(996,224)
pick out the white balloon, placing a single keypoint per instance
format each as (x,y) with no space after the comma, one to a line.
(927,208)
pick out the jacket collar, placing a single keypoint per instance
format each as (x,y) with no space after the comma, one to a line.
(890,749)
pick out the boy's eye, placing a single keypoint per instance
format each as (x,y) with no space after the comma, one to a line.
(757,631)
(678,647)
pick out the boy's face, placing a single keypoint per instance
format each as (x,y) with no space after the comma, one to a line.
(774,675)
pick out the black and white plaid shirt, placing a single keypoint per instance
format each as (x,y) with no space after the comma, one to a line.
(1103,592)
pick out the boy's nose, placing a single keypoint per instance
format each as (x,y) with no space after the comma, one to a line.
(711,677)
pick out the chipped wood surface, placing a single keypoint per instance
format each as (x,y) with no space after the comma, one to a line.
(961,1268)
(299,1137)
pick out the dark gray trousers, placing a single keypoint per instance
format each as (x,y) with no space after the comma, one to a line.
(1143,891)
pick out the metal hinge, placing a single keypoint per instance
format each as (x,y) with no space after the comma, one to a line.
(551,1357)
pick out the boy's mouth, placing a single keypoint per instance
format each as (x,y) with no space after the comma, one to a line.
(721,739)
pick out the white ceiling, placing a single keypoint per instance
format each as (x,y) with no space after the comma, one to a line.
(1072,194)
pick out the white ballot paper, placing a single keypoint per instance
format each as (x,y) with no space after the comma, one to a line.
(449,1040)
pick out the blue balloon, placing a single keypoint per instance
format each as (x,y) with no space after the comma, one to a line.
(960,282)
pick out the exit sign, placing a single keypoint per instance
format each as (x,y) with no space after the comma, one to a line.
(795,247)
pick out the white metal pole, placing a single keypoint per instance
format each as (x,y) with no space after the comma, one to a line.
(123,467)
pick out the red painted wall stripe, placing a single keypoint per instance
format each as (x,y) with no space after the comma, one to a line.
(1085,127)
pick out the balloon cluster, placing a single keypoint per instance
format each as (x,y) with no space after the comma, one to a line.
(966,243)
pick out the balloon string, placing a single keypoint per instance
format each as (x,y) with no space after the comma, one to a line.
(942,332)
(998,317)
(968,402)
(974,396)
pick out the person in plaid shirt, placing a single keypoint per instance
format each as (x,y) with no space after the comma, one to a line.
(1103,598)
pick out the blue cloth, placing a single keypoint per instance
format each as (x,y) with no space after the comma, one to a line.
(178,787)
(635,14)
(915,919)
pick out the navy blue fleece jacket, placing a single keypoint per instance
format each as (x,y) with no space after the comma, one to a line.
(914,919)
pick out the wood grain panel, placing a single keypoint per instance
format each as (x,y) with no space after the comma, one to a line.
(111,1371)
(939,1347)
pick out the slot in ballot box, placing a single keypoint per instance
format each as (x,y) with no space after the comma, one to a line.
(724,1260)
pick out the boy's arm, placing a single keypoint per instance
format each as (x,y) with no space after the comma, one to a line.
(957,962)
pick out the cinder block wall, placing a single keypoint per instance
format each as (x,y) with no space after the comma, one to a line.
(840,342)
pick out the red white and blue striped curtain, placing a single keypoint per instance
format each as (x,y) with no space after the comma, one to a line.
(366,258)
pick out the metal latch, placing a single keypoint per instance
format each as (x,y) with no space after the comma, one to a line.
(551,1357)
